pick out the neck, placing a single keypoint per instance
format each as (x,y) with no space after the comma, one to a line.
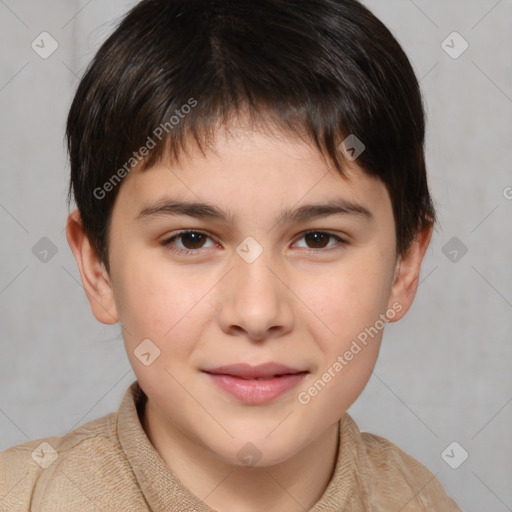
(294,485)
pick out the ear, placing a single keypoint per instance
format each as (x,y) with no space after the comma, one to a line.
(95,279)
(407,273)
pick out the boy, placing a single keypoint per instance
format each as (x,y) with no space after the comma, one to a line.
(252,202)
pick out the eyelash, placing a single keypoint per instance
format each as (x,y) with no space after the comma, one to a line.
(187,252)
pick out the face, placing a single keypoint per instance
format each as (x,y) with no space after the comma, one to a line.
(260,280)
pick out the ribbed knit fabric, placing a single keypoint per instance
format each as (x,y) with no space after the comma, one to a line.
(109,465)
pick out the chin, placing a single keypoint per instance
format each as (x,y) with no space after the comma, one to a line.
(260,446)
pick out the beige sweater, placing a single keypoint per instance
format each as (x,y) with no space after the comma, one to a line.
(109,465)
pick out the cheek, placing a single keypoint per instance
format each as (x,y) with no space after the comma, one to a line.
(350,302)
(165,307)
(157,302)
(347,301)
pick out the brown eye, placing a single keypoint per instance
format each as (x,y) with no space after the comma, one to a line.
(192,240)
(317,240)
(188,242)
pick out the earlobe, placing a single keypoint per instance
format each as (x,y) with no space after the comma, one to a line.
(95,279)
(407,273)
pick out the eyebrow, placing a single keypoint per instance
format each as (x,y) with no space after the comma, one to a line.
(199,210)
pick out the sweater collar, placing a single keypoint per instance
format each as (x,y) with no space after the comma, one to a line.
(163,491)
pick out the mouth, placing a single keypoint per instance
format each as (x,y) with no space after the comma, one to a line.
(255,385)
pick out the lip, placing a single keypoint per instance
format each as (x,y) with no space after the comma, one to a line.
(258,384)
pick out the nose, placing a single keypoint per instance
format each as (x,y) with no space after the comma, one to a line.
(255,301)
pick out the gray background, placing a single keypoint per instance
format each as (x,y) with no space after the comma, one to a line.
(444,371)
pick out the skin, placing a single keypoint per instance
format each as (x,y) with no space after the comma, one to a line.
(301,303)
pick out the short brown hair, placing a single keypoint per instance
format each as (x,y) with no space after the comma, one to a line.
(328,68)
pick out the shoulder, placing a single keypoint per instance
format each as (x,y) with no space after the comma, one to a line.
(54,471)
(397,480)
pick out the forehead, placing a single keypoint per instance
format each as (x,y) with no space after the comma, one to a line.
(251,168)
